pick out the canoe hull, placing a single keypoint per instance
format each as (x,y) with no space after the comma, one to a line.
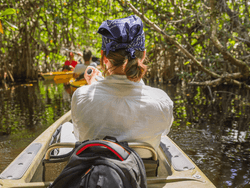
(58,77)
(170,173)
(76,84)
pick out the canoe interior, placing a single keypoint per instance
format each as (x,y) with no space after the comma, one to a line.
(175,168)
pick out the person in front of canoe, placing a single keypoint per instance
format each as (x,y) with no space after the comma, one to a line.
(80,68)
(121,105)
(70,64)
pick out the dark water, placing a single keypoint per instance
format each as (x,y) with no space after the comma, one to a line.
(212,125)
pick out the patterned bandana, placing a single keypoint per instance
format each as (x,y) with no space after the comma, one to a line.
(126,33)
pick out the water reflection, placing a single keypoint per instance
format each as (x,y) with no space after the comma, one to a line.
(211,124)
(212,127)
(26,111)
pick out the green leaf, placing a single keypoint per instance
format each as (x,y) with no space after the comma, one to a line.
(8,11)
(3,50)
(235,34)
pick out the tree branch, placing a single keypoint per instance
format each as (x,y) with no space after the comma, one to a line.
(220,81)
(221,48)
(173,41)
(243,40)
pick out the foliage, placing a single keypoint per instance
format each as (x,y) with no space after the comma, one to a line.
(47,27)
(5,13)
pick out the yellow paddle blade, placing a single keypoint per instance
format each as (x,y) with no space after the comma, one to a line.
(1,28)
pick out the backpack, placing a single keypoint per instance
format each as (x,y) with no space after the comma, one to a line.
(102,164)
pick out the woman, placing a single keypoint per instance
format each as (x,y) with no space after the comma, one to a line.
(121,105)
(70,64)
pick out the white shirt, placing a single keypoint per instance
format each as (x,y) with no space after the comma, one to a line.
(118,107)
(80,68)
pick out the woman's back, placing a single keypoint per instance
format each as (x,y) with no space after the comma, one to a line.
(120,105)
(128,110)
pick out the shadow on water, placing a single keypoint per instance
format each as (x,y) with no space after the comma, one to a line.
(212,125)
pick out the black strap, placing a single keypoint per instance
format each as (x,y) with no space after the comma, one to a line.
(117,149)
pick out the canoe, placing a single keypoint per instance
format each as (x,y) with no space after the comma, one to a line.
(76,84)
(58,77)
(175,170)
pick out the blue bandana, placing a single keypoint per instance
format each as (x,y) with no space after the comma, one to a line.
(125,33)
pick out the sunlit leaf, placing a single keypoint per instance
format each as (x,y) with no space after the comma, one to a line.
(8,11)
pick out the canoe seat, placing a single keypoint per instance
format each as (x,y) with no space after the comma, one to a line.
(67,135)
(54,164)
(59,153)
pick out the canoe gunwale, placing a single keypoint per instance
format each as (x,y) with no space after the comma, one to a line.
(175,155)
(22,163)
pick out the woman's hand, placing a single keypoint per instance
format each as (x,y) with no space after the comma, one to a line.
(91,78)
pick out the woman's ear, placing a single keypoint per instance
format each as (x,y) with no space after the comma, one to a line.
(144,55)
(105,60)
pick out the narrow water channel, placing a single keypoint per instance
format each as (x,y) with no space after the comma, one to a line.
(212,125)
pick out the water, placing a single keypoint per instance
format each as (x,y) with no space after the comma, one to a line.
(211,125)
(26,110)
